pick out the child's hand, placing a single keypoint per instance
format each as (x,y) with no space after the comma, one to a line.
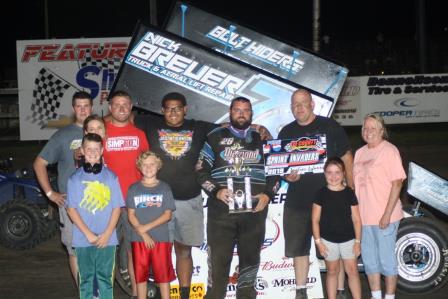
(149,242)
(322,249)
(140,230)
(92,238)
(357,249)
(102,241)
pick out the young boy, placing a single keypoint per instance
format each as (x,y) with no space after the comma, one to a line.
(150,204)
(94,202)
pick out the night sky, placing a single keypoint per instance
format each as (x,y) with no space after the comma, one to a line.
(340,20)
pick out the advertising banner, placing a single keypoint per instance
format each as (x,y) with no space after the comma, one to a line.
(292,63)
(406,98)
(348,107)
(275,278)
(159,62)
(50,71)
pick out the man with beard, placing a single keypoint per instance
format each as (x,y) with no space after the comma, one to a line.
(178,142)
(217,162)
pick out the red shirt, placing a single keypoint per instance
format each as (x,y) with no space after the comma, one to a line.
(122,146)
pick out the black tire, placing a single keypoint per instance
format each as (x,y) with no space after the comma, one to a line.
(422,255)
(22,225)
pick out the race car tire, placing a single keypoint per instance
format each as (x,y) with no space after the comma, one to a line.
(422,254)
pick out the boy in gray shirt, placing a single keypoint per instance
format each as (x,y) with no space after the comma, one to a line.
(150,204)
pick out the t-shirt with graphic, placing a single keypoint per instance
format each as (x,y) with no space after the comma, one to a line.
(94,196)
(59,149)
(149,204)
(374,170)
(300,194)
(122,146)
(179,149)
(336,224)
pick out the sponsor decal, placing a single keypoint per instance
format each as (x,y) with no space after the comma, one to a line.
(255,49)
(197,291)
(407,102)
(158,55)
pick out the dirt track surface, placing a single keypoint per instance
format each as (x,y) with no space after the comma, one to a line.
(42,273)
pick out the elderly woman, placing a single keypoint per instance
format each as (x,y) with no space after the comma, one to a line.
(378,175)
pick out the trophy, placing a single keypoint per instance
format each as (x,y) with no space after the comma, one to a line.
(241,200)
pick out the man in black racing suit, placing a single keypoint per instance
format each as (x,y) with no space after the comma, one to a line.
(218,162)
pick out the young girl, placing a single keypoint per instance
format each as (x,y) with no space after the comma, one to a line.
(337,228)
(94,124)
(150,204)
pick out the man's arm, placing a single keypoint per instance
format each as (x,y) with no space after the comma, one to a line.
(40,169)
(347,158)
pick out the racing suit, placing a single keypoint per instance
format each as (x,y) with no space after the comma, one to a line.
(246,230)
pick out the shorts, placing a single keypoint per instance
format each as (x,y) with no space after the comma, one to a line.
(66,230)
(378,249)
(124,230)
(158,258)
(297,230)
(336,251)
(187,223)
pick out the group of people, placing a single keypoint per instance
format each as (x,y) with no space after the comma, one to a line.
(108,177)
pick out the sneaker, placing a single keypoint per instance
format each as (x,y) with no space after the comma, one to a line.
(341,294)
(301,294)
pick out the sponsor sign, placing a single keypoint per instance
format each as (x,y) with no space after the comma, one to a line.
(269,54)
(159,62)
(50,71)
(406,98)
(304,154)
(348,107)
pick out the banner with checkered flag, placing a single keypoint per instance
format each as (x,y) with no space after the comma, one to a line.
(113,65)
(47,94)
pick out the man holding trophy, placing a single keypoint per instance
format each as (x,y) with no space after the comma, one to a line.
(231,171)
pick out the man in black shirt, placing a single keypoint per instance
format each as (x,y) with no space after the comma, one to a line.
(302,187)
(178,142)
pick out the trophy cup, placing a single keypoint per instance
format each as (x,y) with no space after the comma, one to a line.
(241,200)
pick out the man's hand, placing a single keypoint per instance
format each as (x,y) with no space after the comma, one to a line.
(58,198)
(264,132)
(77,154)
(263,201)
(224,195)
(293,177)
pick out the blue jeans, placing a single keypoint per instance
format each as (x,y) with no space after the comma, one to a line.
(96,261)
(378,249)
